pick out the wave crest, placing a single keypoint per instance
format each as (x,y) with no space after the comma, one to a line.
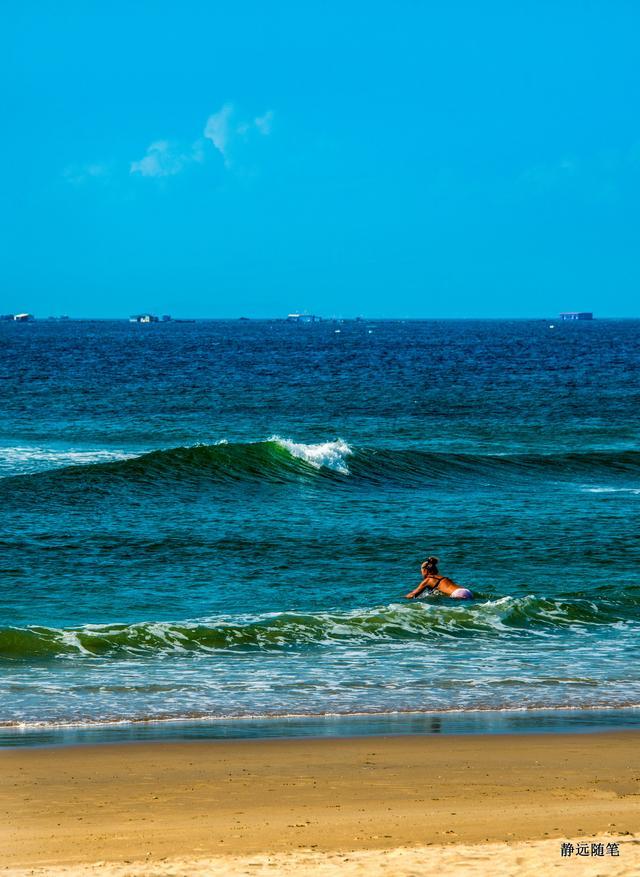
(397,622)
(332,455)
(281,460)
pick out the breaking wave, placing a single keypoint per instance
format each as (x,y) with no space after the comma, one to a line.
(426,620)
(279,460)
(26,459)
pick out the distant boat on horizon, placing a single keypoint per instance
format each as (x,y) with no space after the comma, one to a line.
(303,318)
(144,318)
(576,315)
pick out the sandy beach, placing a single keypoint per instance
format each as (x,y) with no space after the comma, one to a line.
(402,805)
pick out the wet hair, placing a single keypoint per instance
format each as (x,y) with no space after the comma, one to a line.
(431,563)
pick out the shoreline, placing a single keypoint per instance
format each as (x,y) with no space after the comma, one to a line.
(198,802)
(454,722)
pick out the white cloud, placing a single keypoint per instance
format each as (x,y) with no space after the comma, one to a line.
(79,174)
(218,129)
(164,159)
(263,123)
(223,127)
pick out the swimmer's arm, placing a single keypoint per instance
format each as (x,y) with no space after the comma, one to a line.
(417,591)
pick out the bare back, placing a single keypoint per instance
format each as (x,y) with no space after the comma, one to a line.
(440,583)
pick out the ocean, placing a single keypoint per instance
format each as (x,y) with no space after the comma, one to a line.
(219,520)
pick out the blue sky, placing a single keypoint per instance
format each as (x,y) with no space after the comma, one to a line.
(399,159)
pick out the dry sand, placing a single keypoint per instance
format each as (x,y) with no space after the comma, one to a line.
(498,805)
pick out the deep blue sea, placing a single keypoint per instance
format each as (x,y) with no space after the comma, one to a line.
(221,519)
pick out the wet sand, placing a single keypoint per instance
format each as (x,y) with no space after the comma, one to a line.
(402,805)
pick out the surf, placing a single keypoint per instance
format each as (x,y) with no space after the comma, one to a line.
(392,623)
(280,460)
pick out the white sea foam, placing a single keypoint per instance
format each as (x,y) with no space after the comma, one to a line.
(22,459)
(332,455)
(275,715)
(633,490)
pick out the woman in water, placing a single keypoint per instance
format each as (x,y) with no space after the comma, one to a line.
(433,581)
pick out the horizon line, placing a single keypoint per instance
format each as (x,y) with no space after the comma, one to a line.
(359,318)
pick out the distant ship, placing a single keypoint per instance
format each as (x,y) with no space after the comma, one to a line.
(143,318)
(303,318)
(152,318)
(576,315)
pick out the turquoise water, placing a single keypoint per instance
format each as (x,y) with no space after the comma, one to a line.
(220,519)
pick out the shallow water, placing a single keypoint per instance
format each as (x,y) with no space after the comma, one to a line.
(221,518)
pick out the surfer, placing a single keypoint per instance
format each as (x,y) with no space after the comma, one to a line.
(433,582)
